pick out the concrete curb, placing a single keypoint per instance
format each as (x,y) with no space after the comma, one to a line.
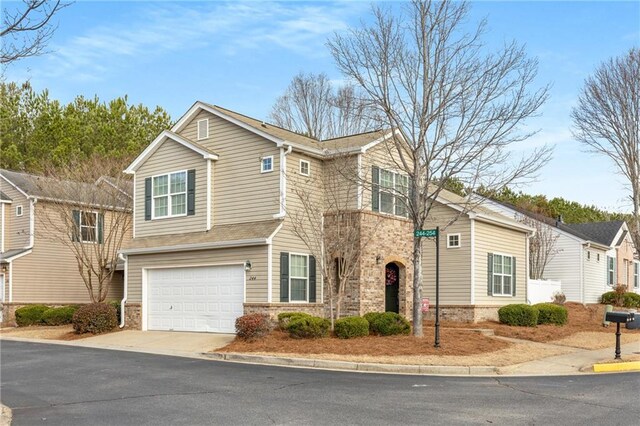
(5,415)
(364,367)
(617,367)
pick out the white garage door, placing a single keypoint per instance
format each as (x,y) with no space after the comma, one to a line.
(195,299)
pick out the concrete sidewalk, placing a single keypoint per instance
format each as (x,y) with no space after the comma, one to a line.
(203,346)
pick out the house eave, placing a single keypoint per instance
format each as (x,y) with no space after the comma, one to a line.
(197,246)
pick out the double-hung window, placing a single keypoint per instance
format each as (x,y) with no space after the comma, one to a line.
(501,275)
(170,195)
(611,270)
(299,277)
(88,226)
(390,192)
(636,274)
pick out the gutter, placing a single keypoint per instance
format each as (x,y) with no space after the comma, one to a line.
(124,296)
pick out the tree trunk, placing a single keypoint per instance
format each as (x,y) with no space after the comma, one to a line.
(417,287)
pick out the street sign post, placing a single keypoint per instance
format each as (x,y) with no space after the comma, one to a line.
(430,233)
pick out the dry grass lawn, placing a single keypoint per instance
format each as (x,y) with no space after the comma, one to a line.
(60,332)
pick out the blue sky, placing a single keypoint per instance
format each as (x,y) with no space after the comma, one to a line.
(243,55)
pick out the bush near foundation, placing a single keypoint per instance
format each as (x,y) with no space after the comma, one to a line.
(631,300)
(253,326)
(389,324)
(95,318)
(116,305)
(549,313)
(346,328)
(59,316)
(285,317)
(518,314)
(30,315)
(308,327)
(371,317)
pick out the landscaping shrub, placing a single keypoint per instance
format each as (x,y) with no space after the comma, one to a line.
(308,327)
(346,328)
(518,314)
(389,323)
(608,298)
(615,297)
(253,326)
(631,300)
(30,315)
(285,317)
(371,317)
(116,306)
(59,316)
(549,313)
(94,318)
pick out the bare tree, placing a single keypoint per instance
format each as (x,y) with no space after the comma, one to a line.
(312,106)
(542,246)
(323,213)
(456,111)
(607,121)
(26,31)
(90,214)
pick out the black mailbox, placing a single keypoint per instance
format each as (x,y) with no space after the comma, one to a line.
(620,317)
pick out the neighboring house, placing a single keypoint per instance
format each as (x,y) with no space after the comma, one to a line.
(584,253)
(622,266)
(213,238)
(35,266)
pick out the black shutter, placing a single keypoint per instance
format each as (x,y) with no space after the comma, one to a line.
(312,279)
(191,192)
(513,276)
(100,228)
(284,277)
(75,232)
(375,189)
(490,274)
(147,199)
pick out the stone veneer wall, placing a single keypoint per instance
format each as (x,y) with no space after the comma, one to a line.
(273,309)
(133,316)
(461,313)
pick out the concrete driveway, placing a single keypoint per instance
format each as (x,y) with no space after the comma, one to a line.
(158,342)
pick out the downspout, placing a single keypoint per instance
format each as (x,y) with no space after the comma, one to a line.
(473,260)
(2,230)
(124,296)
(283,180)
(582,267)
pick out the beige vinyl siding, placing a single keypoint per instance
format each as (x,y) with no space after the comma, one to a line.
(595,282)
(495,239)
(298,188)
(565,267)
(171,157)
(256,289)
(455,263)
(17,228)
(341,182)
(50,273)
(241,193)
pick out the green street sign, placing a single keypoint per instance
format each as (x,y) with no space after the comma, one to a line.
(425,233)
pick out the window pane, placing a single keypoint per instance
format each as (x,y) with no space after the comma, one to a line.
(497,284)
(507,284)
(298,289)
(497,264)
(401,209)
(160,206)
(88,219)
(298,266)
(386,179)
(88,234)
(178,182)
(506,267)
(160,185)
(386,203)
(178,204)
(402,184)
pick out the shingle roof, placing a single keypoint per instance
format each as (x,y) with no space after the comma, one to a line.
(61,190)
(218,234)
(601,232)
(7,255)
(351,141)
(4,197)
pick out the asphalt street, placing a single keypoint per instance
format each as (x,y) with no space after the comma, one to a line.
(63,385)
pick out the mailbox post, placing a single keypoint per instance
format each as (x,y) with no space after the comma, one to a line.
(619,318)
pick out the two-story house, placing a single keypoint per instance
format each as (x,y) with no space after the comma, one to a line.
(214,238)
(36,266)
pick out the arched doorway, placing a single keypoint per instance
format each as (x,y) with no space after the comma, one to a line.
(392,286)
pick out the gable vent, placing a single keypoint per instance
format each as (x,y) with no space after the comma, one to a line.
(203,129)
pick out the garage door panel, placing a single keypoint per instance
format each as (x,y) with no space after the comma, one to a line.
(195,299)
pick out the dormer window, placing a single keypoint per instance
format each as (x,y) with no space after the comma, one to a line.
(305,167)
(203,129)
(266,164)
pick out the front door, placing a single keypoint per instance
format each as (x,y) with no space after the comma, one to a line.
(392,281)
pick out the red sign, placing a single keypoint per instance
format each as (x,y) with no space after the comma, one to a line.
(425,304)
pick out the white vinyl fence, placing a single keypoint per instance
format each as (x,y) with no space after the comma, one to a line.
(539,291)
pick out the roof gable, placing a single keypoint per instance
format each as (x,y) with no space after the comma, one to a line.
(163,137)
